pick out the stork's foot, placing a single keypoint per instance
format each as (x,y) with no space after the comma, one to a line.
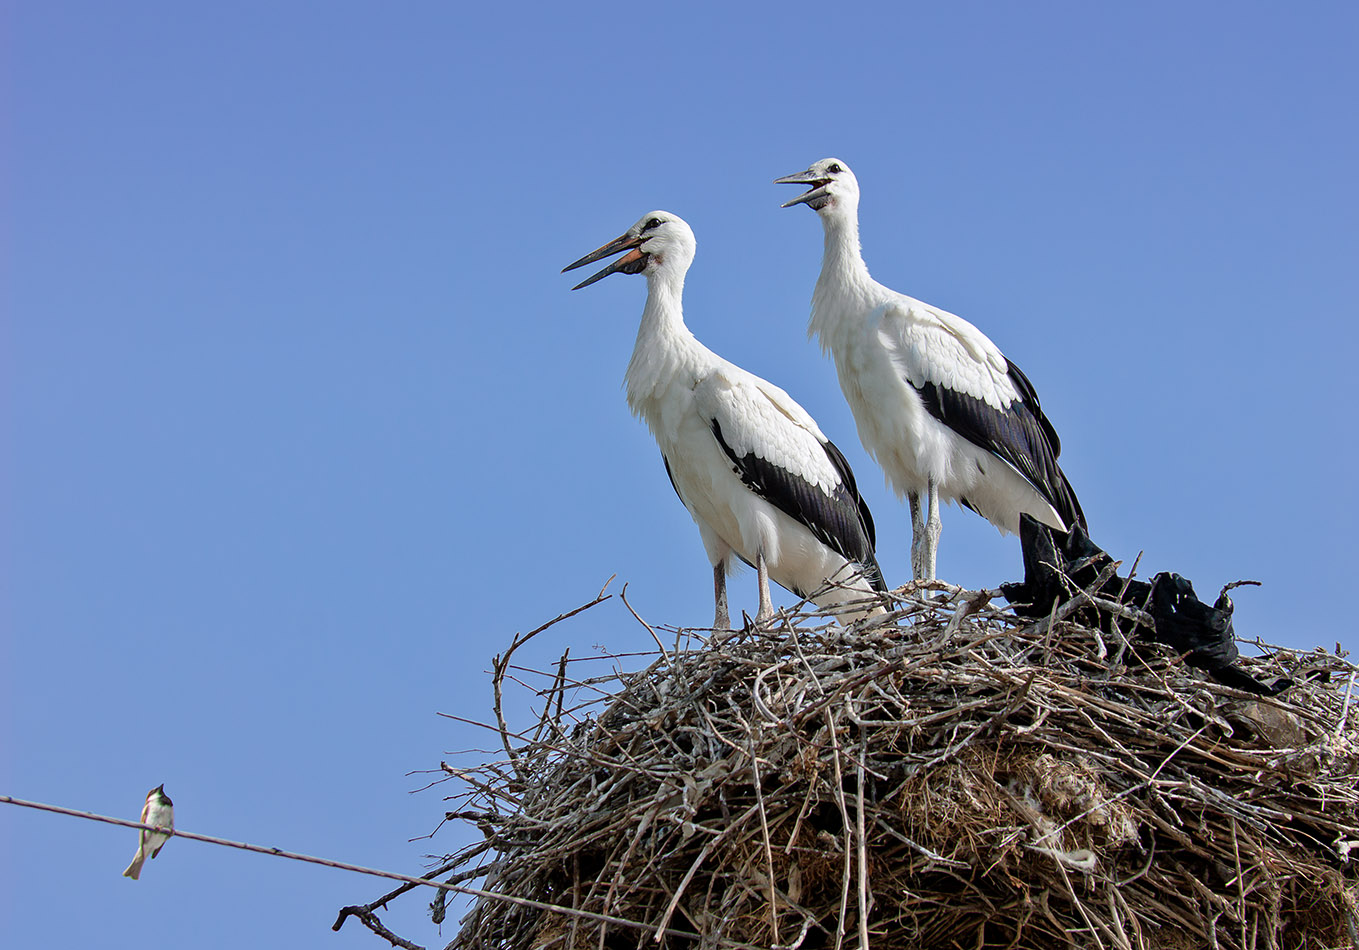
(933,528)
(721,619)
(766,611)
(760,623)
(918,556)
(917,538)
(929,559)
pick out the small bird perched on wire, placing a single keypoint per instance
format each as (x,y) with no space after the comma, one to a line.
(158,811)
(944,412)
(760,480)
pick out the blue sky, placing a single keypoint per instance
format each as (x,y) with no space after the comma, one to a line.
(301,422)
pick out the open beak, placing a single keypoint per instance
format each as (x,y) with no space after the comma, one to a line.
(630,263)
(804,178)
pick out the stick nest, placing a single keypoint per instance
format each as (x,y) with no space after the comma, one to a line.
(944,775)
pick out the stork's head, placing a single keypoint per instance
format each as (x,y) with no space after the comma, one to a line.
(658,242)
(834,187)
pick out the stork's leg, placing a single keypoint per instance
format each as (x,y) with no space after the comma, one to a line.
(722,621)
(933,528)
(766,611)
(917,538)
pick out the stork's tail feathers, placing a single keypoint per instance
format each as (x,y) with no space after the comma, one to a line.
(873,574)
(1067,505)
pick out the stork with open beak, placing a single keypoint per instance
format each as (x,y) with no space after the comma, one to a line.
(760,480)
(937,404)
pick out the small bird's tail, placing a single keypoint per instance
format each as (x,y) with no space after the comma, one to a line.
(134,870)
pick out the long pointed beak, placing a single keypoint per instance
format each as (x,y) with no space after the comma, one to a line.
(804,178)
(621,243)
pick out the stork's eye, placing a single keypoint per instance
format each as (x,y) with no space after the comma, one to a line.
(835,168)
(651,223)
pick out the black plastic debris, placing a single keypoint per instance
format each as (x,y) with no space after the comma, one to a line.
(1179,619)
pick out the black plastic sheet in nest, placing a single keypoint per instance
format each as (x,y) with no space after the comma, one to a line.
(1057,564)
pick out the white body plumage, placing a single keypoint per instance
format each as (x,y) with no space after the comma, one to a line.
(936,402)
(739,450)
(900,339)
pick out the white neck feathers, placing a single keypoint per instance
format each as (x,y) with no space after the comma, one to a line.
(665,348)
(844,285)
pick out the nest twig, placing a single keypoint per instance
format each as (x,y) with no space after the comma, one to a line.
(943,775)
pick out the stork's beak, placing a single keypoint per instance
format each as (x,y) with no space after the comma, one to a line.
(808,177)
(623,243)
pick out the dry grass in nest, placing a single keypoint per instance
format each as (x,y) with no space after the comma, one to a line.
(944,775)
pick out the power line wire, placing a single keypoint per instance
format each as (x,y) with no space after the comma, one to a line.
(357,868)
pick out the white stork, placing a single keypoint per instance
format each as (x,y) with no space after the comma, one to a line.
(936,402)
(750,464)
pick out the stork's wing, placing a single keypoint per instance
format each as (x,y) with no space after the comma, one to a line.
(781,455)
(966,383)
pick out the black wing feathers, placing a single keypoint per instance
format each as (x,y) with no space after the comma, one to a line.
(1020,434)
(847,479)
(840,520)
(1029,396)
